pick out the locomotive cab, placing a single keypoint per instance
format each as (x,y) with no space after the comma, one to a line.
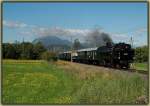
(104,54)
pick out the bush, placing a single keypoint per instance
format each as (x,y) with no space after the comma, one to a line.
(49,56)
(141,54)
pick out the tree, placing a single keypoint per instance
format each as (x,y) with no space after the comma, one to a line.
(27,50)
(18,50)
(49,56)
(76,44)
(38,49)
(141,54)
(8,51)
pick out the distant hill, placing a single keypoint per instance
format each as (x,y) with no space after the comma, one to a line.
(52,40)
(53,43)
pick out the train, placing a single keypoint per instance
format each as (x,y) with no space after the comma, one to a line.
(119,55)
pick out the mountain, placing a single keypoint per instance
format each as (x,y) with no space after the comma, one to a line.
(52,40)
(53,43)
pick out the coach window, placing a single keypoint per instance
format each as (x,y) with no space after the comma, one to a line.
(88,53)
(93,53)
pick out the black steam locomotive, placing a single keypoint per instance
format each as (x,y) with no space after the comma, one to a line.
(118,55)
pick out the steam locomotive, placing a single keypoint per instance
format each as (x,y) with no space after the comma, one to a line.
(119,55)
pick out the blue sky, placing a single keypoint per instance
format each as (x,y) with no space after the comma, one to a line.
(33,20)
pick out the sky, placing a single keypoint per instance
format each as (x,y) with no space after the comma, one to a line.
(32,20)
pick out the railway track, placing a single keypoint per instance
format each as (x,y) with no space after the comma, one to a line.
(139,71)
(129,70)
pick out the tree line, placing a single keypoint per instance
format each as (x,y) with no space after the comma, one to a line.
(25,50)
(28,50)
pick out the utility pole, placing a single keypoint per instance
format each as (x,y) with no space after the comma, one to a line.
(23,49)
(131,41)
(71,48)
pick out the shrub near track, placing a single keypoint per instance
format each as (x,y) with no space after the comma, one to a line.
(63,83)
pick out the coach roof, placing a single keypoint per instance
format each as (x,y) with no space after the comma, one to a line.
(87,49)
(81,50)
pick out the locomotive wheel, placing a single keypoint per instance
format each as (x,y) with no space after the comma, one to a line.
(104,63)
(127,66)
(118,66)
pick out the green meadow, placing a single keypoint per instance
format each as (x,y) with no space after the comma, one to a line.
(141,66)
(40,82)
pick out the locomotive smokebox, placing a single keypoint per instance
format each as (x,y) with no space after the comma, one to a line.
(109,44)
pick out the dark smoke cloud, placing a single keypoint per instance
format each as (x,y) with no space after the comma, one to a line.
(98,38)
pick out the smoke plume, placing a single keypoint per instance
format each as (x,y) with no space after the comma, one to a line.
(98,38)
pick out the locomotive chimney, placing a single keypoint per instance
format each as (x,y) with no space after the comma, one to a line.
(109,44)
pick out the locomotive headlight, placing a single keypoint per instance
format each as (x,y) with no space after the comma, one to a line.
(125,54)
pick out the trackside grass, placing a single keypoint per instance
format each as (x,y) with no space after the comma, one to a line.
(69,83)
(141,66)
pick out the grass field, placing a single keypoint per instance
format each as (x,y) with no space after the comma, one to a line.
(141,66)
(39,82)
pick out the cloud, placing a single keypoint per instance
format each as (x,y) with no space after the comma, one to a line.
(83,32)
(44,31)
(14,24)
(38,31)
(57,31)
(119,36)
(138,43)
(66,33)
(140,31)
(27,33)
(139,37)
